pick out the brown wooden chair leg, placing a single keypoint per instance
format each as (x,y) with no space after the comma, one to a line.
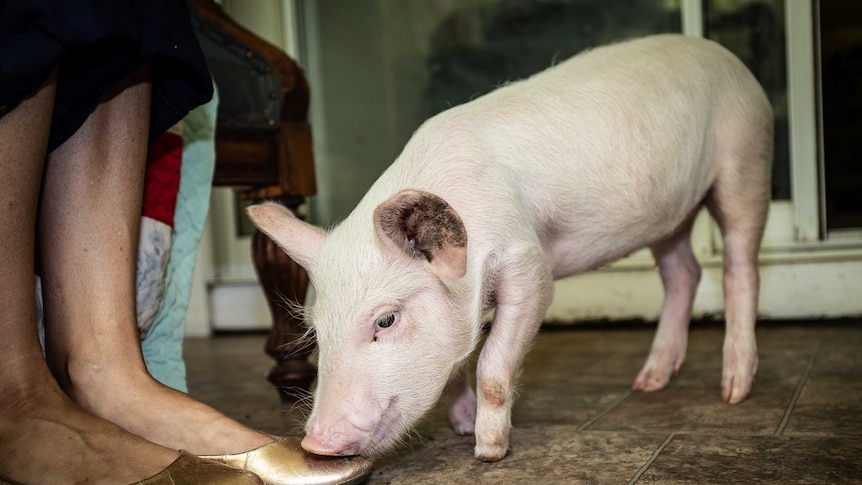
(282,279)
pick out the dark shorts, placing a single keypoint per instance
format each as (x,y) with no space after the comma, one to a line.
(95,44)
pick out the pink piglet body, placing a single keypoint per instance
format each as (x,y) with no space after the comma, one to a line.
(611,151)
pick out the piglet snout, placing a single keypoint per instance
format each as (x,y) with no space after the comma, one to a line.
(319,445)
(339,435)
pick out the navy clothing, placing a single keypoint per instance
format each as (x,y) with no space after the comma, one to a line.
(96,43)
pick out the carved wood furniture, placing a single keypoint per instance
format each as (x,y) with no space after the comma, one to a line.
(263,148)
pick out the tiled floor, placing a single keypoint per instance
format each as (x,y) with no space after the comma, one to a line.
(577,422)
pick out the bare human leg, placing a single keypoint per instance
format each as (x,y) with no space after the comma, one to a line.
(44,437)
(88,235)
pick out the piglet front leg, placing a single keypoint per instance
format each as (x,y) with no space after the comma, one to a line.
(523,294)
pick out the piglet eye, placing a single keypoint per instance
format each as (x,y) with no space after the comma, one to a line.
(385,321)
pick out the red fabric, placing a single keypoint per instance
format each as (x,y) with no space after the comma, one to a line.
(162,182)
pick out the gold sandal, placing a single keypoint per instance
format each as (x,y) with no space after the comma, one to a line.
(188,469)
(284,462)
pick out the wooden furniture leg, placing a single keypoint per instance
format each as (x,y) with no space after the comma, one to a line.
(264,149)
(282,279)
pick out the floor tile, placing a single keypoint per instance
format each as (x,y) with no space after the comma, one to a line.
(677,410)
(708,460)
(575,420)
(692,401)
(550,455)
(563,403)
(828,405)
(589,357)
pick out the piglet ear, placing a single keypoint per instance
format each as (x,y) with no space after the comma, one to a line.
(423,226)
(301,241)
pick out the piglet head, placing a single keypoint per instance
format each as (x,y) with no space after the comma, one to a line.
(391,317)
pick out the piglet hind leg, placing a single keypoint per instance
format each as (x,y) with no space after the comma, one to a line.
(739,202)
(741,287)
(680,275)
(524,290)
(461,401)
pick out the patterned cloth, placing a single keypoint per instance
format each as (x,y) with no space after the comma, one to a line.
(161,187)
(163,345)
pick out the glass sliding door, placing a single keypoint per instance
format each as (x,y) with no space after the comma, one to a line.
(839,31)
(380,68)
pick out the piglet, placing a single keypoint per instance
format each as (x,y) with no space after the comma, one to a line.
(613,150)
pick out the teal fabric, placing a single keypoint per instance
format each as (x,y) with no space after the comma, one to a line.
(163,345)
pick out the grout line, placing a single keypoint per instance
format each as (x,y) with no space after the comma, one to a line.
(792,406)
(606,411)
(651,460)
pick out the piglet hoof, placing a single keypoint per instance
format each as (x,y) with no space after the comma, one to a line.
(490,454)
(740,367)
(735,387)
(661,365)
(652,379)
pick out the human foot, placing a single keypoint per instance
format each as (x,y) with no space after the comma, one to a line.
(174,419)
(44,438)
(143,406)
